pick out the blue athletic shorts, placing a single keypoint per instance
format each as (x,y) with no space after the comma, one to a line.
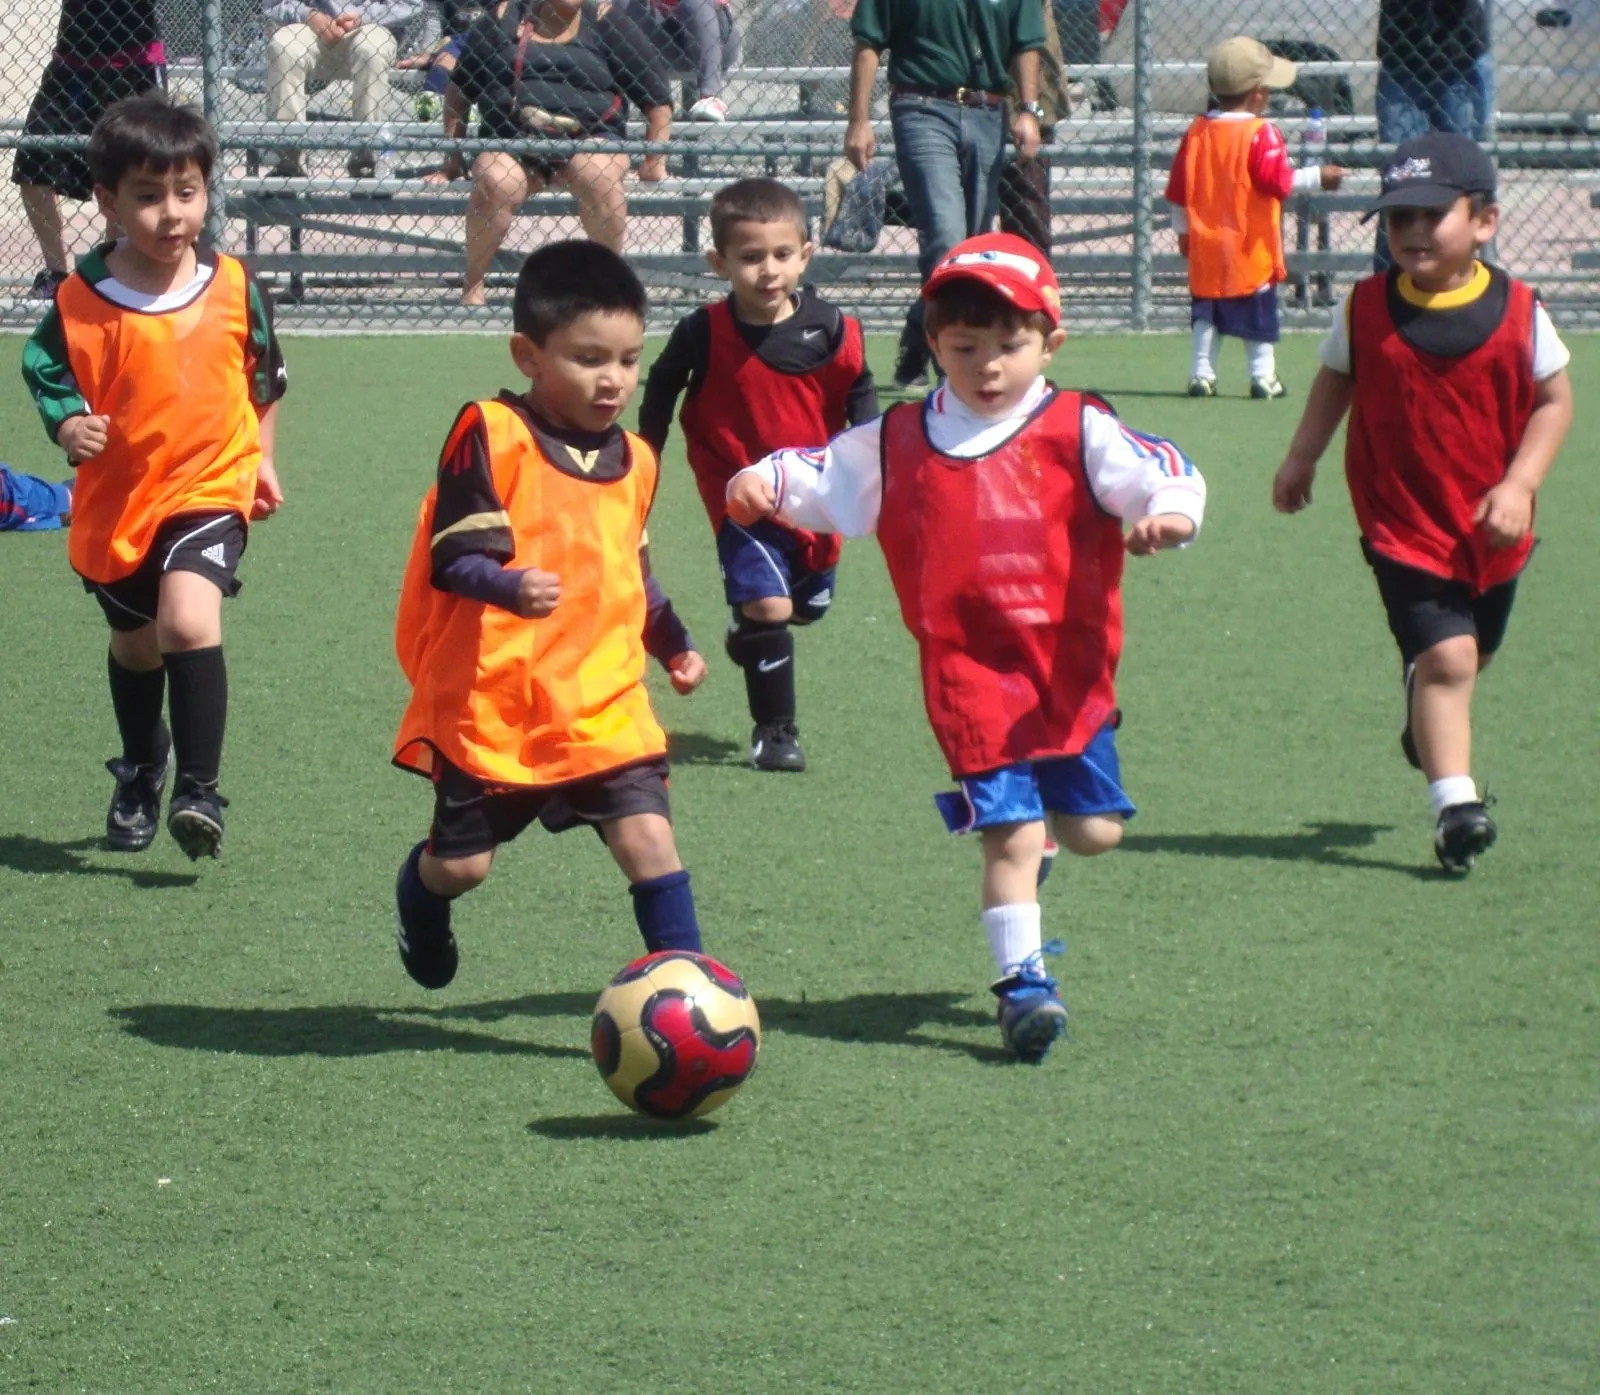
(1090,783)
(765,560)
(29,504)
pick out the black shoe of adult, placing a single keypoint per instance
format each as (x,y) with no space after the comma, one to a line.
(194,819)
(1463,831)
(135,811)
(776,746)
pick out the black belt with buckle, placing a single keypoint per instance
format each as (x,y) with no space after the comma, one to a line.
(962,96)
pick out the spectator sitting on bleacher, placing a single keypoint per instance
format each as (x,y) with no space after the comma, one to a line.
(327,40)
(105,50)
(561,70)
(693,37)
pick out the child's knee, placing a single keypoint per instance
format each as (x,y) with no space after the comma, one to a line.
(769,610)
(138,650)
(454,876)
(1453,660)
(643,846)
(1088,835)
(190,613)
(1014,842)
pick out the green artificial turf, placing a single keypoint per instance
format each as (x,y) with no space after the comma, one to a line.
(1327,1121)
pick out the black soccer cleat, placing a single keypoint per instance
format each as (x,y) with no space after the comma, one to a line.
(776,746)
(423,936)
(194,818)
(135,811)
(1463,831)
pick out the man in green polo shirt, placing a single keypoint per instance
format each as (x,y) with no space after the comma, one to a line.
(951,64)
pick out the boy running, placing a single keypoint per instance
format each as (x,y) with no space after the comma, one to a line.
(526,613)
(158,373)
(1000,503)
(1457,390)
(1227,187)
(769,366)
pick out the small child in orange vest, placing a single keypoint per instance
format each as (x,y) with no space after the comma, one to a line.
(1227,187)
(526,613)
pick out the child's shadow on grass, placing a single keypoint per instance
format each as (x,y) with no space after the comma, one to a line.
(341,1030)
(1331,844)
(696,748)
(34,855)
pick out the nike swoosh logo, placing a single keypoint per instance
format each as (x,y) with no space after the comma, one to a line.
(810,333)
(767,665)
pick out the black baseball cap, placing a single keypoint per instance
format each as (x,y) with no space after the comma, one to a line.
(1433,171)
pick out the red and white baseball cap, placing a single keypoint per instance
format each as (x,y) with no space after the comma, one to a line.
(1007,264)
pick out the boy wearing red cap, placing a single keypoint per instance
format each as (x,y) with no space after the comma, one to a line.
(1456,386)
(1227,187)
(1000,503)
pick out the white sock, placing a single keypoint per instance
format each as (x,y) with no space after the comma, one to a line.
(1261,359)
(1453,789)
(1014,934)
(1205,351)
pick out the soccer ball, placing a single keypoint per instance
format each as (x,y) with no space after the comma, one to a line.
(675,1035)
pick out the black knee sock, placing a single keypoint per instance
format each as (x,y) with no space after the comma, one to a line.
(199,682)
(136,700)
(766,654)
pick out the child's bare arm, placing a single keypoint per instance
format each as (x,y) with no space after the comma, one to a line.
(1326,404)
(269,493)
(1506,511)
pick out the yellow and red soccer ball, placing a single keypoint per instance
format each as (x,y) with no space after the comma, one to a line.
(675,1035)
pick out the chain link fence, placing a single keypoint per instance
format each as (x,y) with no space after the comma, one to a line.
(377,176)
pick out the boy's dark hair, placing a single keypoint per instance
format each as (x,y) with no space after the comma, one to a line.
(149,133)
(971,303)
(564,280)
(754,201)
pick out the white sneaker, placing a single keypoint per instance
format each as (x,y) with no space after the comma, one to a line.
(708,109)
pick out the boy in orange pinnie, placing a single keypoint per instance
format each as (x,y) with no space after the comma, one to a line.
(527,611)
(158,373)
(1227,187)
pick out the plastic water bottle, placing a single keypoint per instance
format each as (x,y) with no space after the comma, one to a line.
(1314,140)
(385,162)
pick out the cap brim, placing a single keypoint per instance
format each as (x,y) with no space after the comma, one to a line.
(1415,196)
(1282,73)
(962,273)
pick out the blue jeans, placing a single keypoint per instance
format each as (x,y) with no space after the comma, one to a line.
(1412,104)
(950,157)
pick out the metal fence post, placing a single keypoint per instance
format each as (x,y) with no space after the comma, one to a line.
(1143,60)
(213,46)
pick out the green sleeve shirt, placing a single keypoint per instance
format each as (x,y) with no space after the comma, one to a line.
(946,44)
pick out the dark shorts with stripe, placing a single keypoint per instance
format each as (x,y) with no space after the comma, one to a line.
(1250,317)
(1425,610)
(68,103)
(471,816)
(208,544)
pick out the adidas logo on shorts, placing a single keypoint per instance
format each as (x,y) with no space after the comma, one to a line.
(216,554)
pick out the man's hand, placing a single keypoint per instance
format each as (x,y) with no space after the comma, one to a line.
(83,437)
(687,670)
(1024,134)
(1505,513)
(1158,530)
(325,27)
(348,22)
(860,143)
(269,493)
(538,593)
(750,498)
(652,169)
(1332,177)
(1291,486)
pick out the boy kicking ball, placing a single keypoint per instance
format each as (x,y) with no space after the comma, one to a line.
(1456,386)
(1000,504)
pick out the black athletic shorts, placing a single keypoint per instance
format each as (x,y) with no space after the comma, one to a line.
(208,544)
(1425,610)
(68,103)
(472,817)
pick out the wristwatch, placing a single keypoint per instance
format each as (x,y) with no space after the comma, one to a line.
(1035,110)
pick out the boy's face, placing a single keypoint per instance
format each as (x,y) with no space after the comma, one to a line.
(585,373)
(991,369)
(762,263)
(1437,247)
(160,214)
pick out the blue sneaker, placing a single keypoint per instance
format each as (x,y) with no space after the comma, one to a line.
(1030,1012)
